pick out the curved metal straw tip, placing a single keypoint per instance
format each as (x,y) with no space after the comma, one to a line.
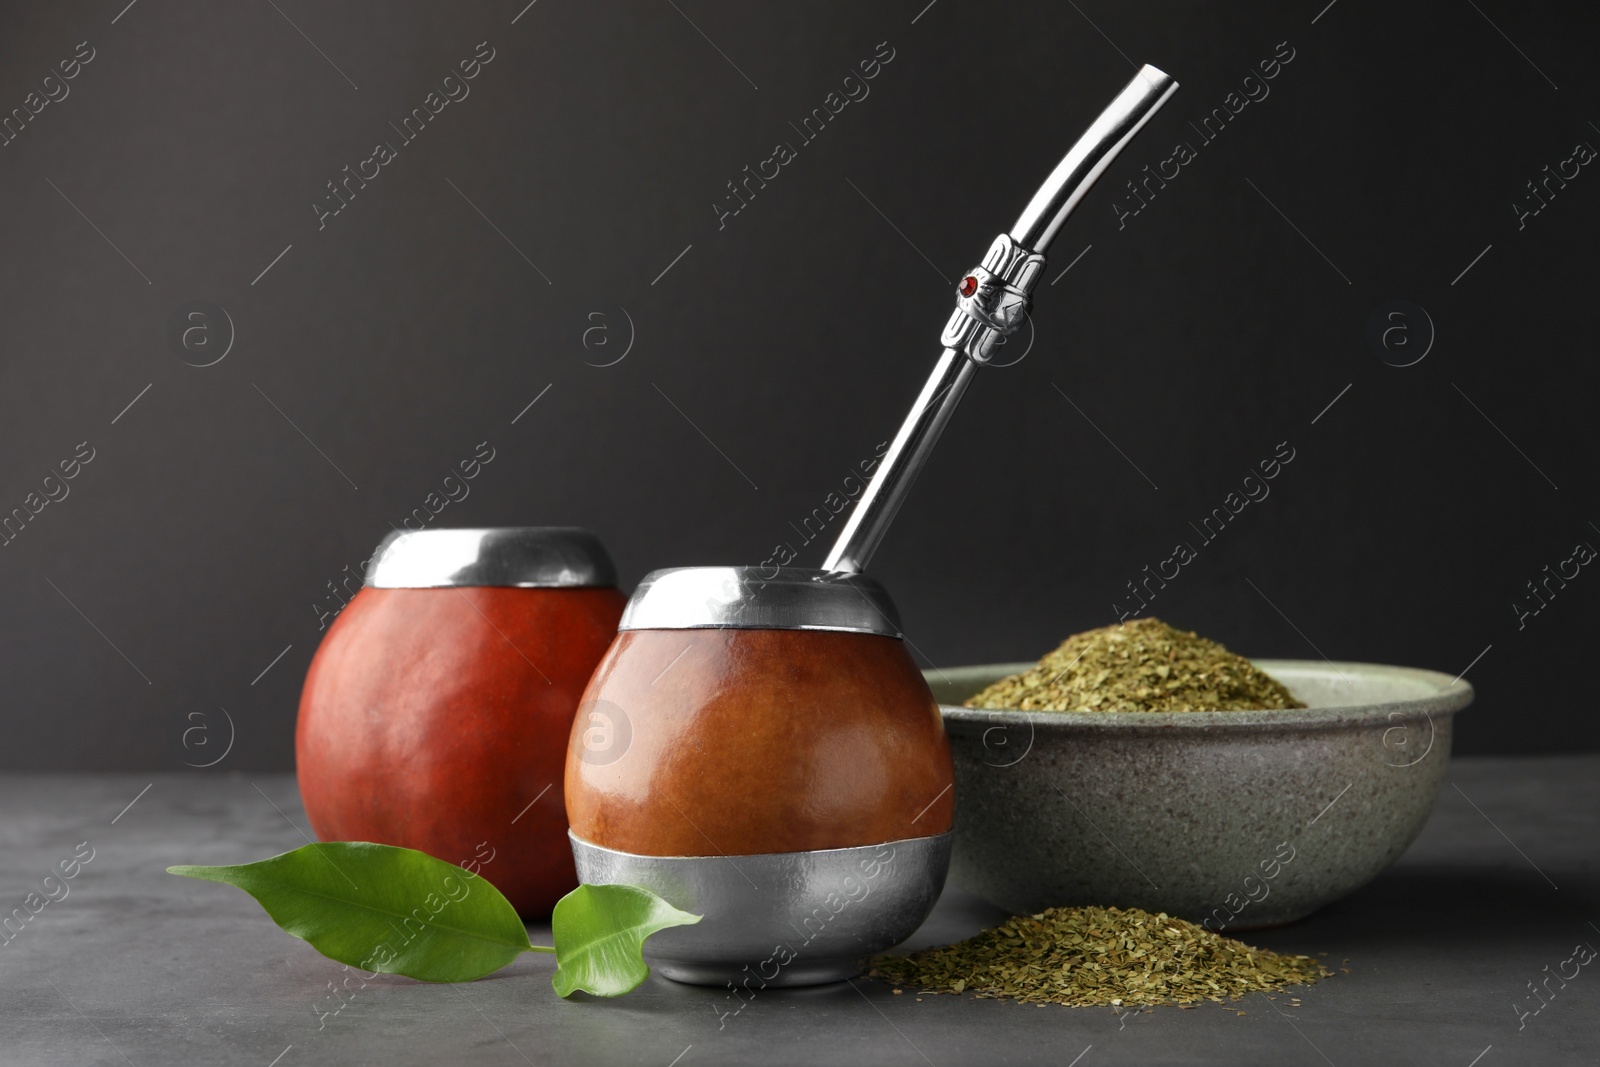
(1155,75)
(1088,158)
(993,300)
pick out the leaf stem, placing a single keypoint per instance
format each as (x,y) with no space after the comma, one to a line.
(540,948)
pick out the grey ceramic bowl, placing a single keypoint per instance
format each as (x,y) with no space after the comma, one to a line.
(1236,819)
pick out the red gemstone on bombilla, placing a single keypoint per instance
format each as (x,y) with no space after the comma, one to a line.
(969,285)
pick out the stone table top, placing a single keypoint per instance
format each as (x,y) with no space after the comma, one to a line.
(135,966)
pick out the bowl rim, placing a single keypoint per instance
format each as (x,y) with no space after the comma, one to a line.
(1450,695)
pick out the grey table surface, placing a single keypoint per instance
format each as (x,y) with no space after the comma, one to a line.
(135,966)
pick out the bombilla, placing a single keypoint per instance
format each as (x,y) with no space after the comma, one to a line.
(992,302)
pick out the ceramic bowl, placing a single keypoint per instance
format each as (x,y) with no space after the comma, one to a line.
(1234,819)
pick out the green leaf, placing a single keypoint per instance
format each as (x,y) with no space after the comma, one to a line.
(600,932)
(381,908)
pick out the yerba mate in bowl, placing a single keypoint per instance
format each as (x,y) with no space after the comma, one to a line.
(1144,665)
(1230,819)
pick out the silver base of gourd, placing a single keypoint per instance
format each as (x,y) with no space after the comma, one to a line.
(780,918)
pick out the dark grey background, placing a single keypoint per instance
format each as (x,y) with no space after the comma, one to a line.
(199,542)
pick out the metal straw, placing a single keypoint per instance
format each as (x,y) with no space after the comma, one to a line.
(991,302)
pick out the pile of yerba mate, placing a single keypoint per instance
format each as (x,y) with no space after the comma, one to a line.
(1099,956)
(1143,665)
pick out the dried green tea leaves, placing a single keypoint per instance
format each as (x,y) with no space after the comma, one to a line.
(1099,956)
(1143,665)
